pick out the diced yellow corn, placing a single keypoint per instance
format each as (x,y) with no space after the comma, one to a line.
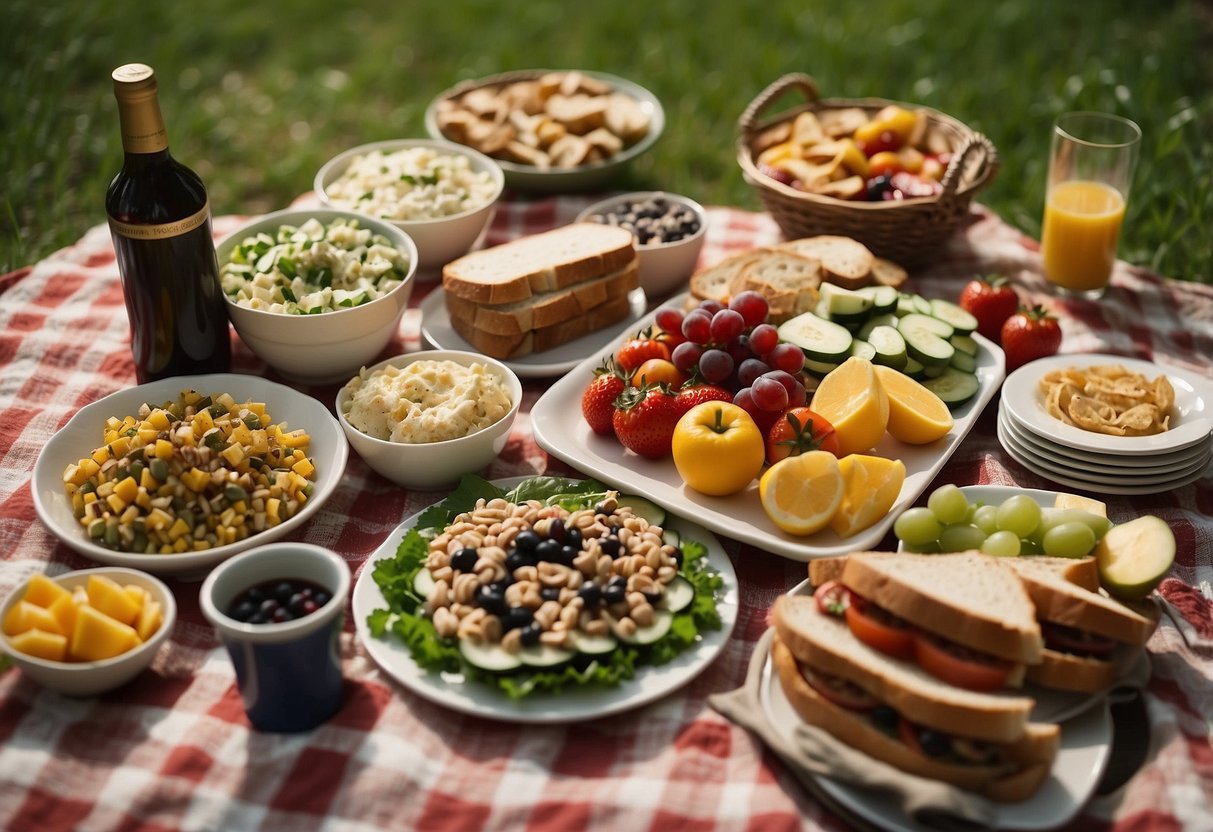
(147,480)
(101,455)
(203,422)
(120,446)
(271,509)
(90,497)
(144,500)
(304,468)
(158,419)
(178,529)
(117,504)
(195,479)
(127,489)
(146,433)
(234,454)
(164,449)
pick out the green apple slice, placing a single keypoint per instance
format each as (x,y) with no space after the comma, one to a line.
(1134,557)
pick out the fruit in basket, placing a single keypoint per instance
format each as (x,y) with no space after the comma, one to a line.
(1134,557)
(1029,334)
(797,431)
(598,399)
(991,300)
(916,415)
(800,494)
(852,399)
(871,484)
(644,419)
(717,448)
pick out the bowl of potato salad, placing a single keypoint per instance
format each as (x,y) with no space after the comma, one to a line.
(441,194)
(317,293)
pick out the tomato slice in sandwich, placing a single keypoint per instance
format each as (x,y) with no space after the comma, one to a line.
(842,692)
(880,629)
(832,598)
(960,666)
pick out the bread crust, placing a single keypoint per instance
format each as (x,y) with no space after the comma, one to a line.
(722,280)
(611,312)
(1032,756)
(1079,674)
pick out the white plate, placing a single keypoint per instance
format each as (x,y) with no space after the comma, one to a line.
(1085,747)
(1035,465)
(437,330)
(328,450)
(1133,466)
(559,429)
(450,691)
(1094,472)
(1191,421)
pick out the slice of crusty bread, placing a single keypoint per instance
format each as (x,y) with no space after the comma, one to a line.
(788,281)
(1080,674)
(544,262)
(546,338)
(722,280)
(825,642)
(545,309)
(1030,757)
(844,262)
(888,273)
(967,597)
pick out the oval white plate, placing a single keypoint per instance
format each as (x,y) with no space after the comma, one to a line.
(559,429)
(651,682)
(83,432)
(1191,422)
(437,330)
(1085,747)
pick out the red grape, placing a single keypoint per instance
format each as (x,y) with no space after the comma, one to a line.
(715,365)
(798,397)
(669,319)
(749,370)
(697,327)
(786,357)
(739,348)
(710,306)
(752,306)
(727,324)
(786,380)
(686,356)
(769,394)
(763,339)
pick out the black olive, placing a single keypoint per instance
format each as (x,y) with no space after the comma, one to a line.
(244,610)
(573,538)
(590,593)
(529,635)
(602,509)
(678,557)
(297,602)
(492,599)
(653,597)
(465,559)
(268,606)
(258,618)
(526,541)
(610,546)
(550,593)
(516,617)
(321,597)
(567,555)
(548,550)
(283,592)
(254,594)
(556,529)
(614,593)
(516,560)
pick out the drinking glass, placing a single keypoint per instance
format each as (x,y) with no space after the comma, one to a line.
(1091,162)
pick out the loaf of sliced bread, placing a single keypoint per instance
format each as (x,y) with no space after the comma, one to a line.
(544,262)
(611,311)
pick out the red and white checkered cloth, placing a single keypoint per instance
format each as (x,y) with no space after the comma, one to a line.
(174,751)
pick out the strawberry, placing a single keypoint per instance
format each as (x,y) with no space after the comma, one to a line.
(644,419)
(598,400)
(1029,334)
(693,393)
(639,350)
(991,300)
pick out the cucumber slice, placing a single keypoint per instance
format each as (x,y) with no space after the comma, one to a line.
(926,339)
(884,298)
(964,362)
(905,305)
(642,507)
(819,368)
(671,538)
(889,347)
(822,341)
(678,594)
(851,321)
(844,303)
(491,657)
(948,312)
(662,621)
(543,655)
(862,349)
(953,386)
(964,343)
(594,645)
(933,371)
(913,369)
(423,583)
(887,319)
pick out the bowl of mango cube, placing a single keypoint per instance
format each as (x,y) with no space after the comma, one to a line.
(87,632)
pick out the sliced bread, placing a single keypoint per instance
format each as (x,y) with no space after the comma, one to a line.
(544,262)
(788,281)
(844,262)
(724,279)
(538,340)
(888,273)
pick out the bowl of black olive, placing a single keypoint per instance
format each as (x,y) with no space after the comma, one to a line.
(669,231)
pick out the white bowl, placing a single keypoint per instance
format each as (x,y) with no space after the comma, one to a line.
(439,240)
(90,678)
(559,180)
(435,465)
(664,267)
(318,349)
(327,449)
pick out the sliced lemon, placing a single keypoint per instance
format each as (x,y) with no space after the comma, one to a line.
(916,415)
(801,493)
(871,484)
(852,400)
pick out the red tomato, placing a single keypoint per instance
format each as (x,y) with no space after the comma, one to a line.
(598,400)
(991,300)
(879,629)
(644,420)
(832,598)
(797,431)
(639,350)
(658,371)
(1029,334)
(842,692)
(960,666)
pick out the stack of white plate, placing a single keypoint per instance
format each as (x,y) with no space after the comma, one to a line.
(1097,462)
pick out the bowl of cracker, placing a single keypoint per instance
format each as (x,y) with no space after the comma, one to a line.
(550,130)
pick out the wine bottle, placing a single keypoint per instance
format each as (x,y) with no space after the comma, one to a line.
(159,218)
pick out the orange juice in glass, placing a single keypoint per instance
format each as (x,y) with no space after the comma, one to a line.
(1090,171)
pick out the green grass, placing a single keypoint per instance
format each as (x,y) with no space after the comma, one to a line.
(258,96)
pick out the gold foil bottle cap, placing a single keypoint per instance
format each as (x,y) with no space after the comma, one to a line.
(134,78)
(138,109)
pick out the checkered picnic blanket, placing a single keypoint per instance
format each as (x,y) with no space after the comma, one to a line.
(173,750)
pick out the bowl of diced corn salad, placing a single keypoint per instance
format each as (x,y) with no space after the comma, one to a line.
(174,476)
(317,293)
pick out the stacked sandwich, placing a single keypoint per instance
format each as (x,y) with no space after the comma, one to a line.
(541,291)
(909,659)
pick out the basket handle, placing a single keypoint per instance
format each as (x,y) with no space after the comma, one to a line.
(976,142)
(793,80)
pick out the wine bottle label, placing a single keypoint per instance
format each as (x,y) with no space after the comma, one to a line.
(160,231)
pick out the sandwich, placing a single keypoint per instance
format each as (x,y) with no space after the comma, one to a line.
(540,291)
(1089,637)
(896,712)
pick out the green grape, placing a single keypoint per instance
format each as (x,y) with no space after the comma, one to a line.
(986,519)
(917,527)
(1069,540)
(1053,517)
(1030,546)
(931,548)
(961,537)
(1004,544)
(949,504)
(1019,514)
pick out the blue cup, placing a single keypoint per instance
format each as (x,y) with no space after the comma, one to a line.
(289,674)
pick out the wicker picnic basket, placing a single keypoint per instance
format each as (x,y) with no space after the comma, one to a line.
(908,232)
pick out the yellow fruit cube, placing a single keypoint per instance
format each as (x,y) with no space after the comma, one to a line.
(26,616)
(150,619)
(64,610)
(96,636)
(111,599)
(42,591)
(41,644)
(138,594)
(1084,503)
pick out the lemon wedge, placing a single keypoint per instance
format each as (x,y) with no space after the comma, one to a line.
(871,484)
(801,493)
(916,415)
(852,399)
